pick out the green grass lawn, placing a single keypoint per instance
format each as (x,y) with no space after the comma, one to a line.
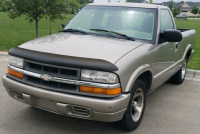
(192,24)
(15,32)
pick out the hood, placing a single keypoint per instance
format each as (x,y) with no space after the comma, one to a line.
(84,46)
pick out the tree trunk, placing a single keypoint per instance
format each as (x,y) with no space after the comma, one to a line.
(36,26)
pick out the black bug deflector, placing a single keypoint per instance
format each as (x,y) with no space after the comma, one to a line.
(60,60)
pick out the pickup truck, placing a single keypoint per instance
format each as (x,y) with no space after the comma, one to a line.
(102,64)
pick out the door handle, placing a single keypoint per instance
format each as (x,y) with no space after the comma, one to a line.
(177,46)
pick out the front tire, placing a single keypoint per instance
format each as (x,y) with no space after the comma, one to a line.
(136,107)
(179,77)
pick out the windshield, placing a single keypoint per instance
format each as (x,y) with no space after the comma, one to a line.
(138,23)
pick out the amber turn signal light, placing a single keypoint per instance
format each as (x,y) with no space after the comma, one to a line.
(16,74)
(100,90)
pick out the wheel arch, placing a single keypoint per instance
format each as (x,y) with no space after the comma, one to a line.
(147,78)
(145,73)
(188,54)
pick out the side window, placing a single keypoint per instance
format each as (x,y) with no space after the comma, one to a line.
(166,21)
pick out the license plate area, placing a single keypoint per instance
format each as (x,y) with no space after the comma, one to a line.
(53,106)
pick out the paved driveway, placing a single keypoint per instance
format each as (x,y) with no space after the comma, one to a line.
(170,109)
(193,18)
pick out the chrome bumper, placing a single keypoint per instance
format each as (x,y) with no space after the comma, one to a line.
(68,81)
(107,110)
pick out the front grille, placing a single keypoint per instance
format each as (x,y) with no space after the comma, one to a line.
(56,71)
(63,87)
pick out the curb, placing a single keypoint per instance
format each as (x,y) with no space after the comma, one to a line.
(190,74)
(193,75)
(4,54)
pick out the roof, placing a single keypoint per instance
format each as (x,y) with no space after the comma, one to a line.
(173,3)
(193,4)
(142,5)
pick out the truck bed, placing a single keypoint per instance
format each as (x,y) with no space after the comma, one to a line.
(183,30)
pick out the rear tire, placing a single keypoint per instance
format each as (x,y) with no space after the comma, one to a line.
(179,77)
(136,107)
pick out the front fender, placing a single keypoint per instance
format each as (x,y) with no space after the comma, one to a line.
(136,74)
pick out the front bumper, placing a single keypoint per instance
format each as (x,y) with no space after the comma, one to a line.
(107,110)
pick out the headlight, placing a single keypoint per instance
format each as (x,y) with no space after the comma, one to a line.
(18,62)
(99,76)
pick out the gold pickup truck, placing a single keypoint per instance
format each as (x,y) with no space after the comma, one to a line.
(102,64)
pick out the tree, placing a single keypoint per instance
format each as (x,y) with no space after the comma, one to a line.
(182,2)
(85,1)
(171,5)
(4,5)
(54,10)
(195,10)
(82,5)
(151,1)
(35,10)
(72,6)
(176,11)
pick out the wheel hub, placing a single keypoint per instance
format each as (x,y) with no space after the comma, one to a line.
(183,72)
(137,105)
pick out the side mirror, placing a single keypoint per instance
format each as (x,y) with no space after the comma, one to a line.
(63,26)
(172,35)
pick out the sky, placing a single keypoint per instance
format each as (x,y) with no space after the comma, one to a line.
(155,1)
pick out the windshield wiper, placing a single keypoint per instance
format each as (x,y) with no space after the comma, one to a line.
(123,35)
(74,30)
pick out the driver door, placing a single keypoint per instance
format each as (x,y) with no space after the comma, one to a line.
(167,52)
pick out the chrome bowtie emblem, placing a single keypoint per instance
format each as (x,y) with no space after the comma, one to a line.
(46,77)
